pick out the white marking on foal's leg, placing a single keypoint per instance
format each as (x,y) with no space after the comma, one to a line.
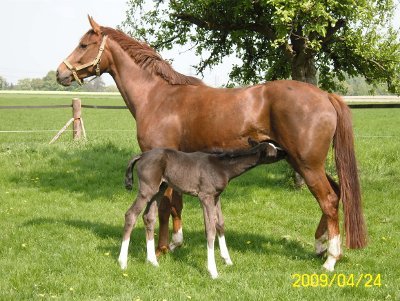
(123,255)
(224,250)
(151,253)
(211,265)
(320,243)
(177,240)
(333,253)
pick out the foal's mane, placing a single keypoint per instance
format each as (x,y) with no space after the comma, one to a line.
(147,58)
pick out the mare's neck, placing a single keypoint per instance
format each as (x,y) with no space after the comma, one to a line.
(134,83)
(236,166)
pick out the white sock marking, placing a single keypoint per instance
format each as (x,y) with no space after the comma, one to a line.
(123,255)
(333,253)
(151,253)
(224,250)
(211,265)
(177,239)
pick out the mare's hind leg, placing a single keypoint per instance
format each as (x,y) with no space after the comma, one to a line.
(221,234)
(328,200)
(130,222)
(321,234)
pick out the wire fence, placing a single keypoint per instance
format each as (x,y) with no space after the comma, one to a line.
(379,105)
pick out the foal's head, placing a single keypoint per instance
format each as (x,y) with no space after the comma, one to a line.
(89,57)
(269,152)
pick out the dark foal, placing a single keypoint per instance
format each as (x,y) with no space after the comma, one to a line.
(198,174)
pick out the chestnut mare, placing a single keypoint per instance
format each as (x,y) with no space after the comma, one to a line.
(180,112)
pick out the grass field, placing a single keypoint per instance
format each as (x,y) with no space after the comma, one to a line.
(62,211)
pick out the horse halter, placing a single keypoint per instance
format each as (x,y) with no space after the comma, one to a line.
(96,62)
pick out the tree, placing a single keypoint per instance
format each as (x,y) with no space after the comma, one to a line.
(3,83)
(277,39)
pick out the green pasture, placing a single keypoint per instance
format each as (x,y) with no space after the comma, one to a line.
(62,211)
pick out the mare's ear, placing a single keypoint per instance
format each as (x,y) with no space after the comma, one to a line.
(95,26)
(252,142)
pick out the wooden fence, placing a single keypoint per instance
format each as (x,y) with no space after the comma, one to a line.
(79,132)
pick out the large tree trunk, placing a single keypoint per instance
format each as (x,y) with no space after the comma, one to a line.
(304,70)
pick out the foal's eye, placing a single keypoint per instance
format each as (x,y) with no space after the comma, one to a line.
(83,46)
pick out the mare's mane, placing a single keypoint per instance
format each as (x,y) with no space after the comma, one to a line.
(147,58)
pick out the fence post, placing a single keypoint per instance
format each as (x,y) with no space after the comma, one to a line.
(76,110)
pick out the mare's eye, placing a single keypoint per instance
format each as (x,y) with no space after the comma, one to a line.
(83,46)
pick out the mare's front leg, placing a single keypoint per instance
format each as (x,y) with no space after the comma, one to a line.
(209,214)
(221,233)
(130,222)
(170,204)
(176,213)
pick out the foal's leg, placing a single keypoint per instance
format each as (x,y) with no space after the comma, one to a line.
(328,200)
(130,221)
(149,220)
(209,214)
(221,233)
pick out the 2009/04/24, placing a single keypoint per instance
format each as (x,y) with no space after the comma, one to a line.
(340,280)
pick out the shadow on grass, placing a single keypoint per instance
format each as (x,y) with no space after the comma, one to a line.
(90,172)
(195,240)
(98,171)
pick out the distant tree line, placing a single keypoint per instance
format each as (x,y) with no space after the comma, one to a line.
(351,86)
(49,83)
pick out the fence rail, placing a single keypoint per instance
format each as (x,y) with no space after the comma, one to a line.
(351,105)
(79,130)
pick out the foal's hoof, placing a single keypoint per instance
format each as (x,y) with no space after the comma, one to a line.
(162,250)
(214,275)
(123,264)
(153,262)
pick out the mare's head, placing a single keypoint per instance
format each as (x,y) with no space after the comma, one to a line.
(88,59)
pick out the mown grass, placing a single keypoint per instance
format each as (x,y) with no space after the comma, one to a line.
(62,208)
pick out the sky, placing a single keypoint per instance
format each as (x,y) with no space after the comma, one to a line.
(37,35)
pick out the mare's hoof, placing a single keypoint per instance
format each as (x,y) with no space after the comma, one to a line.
(162,250)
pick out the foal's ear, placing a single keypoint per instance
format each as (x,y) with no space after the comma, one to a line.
(252,142)
(95,26)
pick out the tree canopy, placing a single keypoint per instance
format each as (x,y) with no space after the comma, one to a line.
(278,39)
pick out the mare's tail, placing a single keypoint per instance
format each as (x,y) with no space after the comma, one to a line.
(129,172)
(346,166)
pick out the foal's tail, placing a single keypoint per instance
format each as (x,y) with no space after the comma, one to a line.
(129,172)
(346,165)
